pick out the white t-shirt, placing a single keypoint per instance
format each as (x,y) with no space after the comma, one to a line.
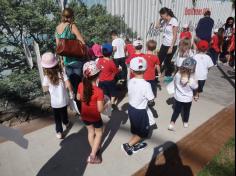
(139,93)
(179,60)
(184,93)
(119,43)
(168,31)
(59,96)
(204,63)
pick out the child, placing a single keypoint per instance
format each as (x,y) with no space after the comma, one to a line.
(184,52)
(231,51)
(108,73)
(97,50)
(185,83)
(186,34)
(204,63)
(138,45)
(153,64)
(55,81)
(129,48)
(216,44)
(139,93)
(92,99)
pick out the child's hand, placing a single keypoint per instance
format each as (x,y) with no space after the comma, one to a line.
(72,95)
(196,98)
(170,50)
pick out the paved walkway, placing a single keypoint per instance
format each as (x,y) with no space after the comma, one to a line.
(47,156)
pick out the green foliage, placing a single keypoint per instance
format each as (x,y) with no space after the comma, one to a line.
(95,22)
(22,86)
(37,20)
(223,164)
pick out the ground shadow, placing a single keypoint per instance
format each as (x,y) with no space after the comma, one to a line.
(71,159)
(118,118)
(14,135)
(121,93)
(226,76)
(173,164)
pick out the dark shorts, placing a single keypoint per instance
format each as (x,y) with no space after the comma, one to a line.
(108,87)
(98,124)
(154,86)
(201,84)
(139,122)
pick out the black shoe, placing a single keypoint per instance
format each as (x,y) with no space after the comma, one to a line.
(127,149)
(139,147)
(114,107)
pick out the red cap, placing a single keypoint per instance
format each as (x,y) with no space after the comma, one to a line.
(203,45)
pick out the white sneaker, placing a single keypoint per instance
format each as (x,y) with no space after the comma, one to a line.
(186,125)
(59,135)
(171,127)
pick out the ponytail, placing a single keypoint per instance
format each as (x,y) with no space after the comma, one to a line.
(171,13)
(88,88)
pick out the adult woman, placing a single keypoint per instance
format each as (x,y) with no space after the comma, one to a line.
(228,27)
(168,48)
(68,30)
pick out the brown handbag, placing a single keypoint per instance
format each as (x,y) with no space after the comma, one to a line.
(71,48)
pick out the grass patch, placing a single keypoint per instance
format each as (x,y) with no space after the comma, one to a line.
(223,164)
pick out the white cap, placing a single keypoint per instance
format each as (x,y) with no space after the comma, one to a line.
(137,43)
(138,64)
(185,26)
(216,30)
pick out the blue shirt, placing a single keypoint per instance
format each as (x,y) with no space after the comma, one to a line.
(204,28)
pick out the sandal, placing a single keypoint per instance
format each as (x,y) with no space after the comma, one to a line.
(94,160)
(196,98)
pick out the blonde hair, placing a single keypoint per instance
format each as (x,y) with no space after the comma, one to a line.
(184,46)
(67,15)
(185,71)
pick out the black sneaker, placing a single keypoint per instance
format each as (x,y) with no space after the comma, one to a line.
(139,147)
(114,107)
(127,149)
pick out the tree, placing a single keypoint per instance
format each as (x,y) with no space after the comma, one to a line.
(35,20)
(95,22)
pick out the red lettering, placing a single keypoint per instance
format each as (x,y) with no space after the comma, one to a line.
(195,11)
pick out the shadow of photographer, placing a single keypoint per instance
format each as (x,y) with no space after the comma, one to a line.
(172,166)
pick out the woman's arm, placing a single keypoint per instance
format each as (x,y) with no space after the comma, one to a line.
(175,33)
(77,33)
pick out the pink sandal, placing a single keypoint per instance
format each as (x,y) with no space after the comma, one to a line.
(94,160)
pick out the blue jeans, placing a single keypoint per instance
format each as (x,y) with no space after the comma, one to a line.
(214,55)
(74,73)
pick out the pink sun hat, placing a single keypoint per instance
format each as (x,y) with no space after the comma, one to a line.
(49,60)
(97,50)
